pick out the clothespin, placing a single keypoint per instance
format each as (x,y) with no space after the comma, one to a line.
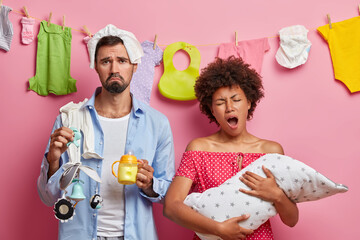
(0,4)
(329,20)
(49,21)
(359,9)
(155,41)
(63,24)
(87,31)
(26,12)
(236,38)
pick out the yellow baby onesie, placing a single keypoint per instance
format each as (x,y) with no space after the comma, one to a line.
(344,45)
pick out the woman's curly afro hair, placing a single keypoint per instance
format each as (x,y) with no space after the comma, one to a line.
(228,73)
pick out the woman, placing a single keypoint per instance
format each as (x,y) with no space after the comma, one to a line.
(228,92)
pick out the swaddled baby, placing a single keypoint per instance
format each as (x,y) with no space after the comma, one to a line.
(299,182)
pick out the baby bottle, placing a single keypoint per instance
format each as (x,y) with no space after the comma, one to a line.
(127,169)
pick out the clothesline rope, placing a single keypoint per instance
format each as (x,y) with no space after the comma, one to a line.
(42,20)
(160,45)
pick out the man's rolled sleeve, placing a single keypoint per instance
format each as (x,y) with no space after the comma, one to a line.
(49,189)
(163,164)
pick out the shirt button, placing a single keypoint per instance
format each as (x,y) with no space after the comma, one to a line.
(98,166)
(94,214)
(100,142)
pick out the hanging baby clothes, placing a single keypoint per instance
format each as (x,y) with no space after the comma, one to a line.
(251,51)
(176,84)
(294,46)
(53,61)
(343,41)
(27,32)
(6,28)
(86,40)
(142,81)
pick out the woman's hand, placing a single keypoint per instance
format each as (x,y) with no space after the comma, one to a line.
(264,188)
(177,211)
(230,229)
(268,190)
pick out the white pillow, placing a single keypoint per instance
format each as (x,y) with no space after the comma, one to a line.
(299,182)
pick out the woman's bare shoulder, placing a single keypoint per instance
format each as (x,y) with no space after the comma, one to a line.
(198,144)
(269,146)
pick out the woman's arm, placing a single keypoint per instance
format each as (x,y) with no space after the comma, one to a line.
(268,190)
(288,211)
(177,211)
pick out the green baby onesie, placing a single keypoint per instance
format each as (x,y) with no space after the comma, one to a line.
(53,61)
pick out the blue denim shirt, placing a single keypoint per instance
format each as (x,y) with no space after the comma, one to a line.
(149,137)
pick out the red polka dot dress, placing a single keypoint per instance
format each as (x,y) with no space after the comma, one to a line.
(211,169)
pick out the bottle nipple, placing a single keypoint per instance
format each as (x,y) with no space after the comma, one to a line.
(128,158)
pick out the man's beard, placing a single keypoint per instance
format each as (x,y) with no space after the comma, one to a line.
(115,86)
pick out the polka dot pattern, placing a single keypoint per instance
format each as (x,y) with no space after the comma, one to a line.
(211,169)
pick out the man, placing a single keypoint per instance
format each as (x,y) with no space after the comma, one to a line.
(117,124)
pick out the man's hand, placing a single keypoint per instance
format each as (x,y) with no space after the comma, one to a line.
(144,178)
(58,141)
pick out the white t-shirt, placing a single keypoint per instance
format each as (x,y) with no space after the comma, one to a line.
(111,215)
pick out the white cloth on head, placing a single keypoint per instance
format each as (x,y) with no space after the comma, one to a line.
(132,45)
(294,46)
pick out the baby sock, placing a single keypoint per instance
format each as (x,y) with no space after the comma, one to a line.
(86,39)
(27,33)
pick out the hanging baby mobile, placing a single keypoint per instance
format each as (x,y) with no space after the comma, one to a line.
(64,208)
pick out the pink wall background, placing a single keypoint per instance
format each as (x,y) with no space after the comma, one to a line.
(310,113)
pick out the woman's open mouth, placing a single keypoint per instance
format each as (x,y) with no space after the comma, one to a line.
(232,122)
